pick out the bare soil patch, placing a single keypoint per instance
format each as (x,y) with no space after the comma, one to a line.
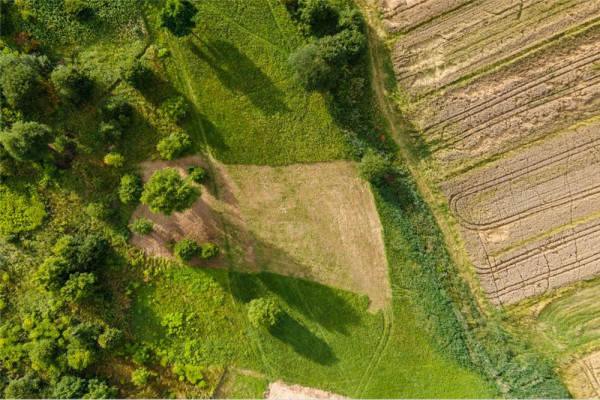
(401,15)
(583,377)
(279,390)
(476,35)
(311,221)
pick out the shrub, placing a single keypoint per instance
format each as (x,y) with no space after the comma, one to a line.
(79,287)
(99,211)
(20,211)
(53,273)
(71,85)
(319,17)
(342,47)
(137,74)
(20,82)
(114,159)
(111,339)
(130,189)
(173,322)
(80,358)
(311,69)
(174,108)
(83,335)
(96,389)
(173,145)
(78,9)
(142,226)
(178,17)
(351,18)
(197,174)
(110,131)
(62,143)
(191,373)
(117,109)
(166,192)
(140,377)
(26,387)
(42,354)
(186,249)
(264,312)
(27,141)
(69,387)
(373,167)
(209,250)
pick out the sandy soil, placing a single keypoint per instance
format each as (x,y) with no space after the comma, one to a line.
(583,377)
(311,221)
(401,15)
(279,390)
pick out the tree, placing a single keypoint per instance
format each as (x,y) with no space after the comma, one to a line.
(140,377)
(53,273)
(174,108)
(97,389)
(84,334)
(178,17)
(186,249)
(342,47)
(80,358)
(319,17)
(130,189)
(42,354)
(312,70)
(111,339)
(69,387)
(197,174)
(78,9)
(20,81)
(264,312)
(173,145)
(114,159)
(117,110)
(79,287)
(166,192)
(209,251)
(71,85)
(137,74)
(373,167)
(142,226)
(26,387)
(27,141)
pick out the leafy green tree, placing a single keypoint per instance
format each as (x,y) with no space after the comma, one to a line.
(69,387)
(138,74)
(111,339)
(352,19)
(173,145)
(53,273)
(83,335)
(264,312)
(166,192)
(186,249)
(97,389)
(142,226)
(117,110)
(114,159)
(342,47)
(42,354)
(178,17)
(71,85)
(209,251)
(319,17)
(197,174)
(312,70)
(130,189)
(25,387)
(20,81)
(92,252)
(26,141)
(80,358)
(174,108)
(79,287)
(373,167)
(140,377)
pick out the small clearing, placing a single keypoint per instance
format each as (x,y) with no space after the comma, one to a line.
(279,390)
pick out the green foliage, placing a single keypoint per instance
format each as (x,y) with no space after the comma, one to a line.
(25,387)
(138,74)
(166,192)
(178,17)
(130,189)
(62,143)
(26,141)
(312,70)
(209,251)
(318,17)
(174,108)
(70,387)
(110,131)
(373,167)
(117,110)
(114,159)
(79,287)
(111,339)
(98,389)
(20,210)
(343,47)
(140,377)
(142,226)
(71,85)
(186,249)
(99,210)
(20,80)
(264,312)
(197,174)
(173,322)
(191,373)
(42,354)
(173,145)
(78,9)
(80,358)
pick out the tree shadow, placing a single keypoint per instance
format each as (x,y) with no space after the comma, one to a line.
(240,74)
(303,341)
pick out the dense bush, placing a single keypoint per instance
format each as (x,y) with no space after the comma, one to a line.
(130,188)
(20,210)
(186,249)
(166,192)
(173,145)
(26,141)
(70,387)
(178,17)
(373,167)
(25,387)
(174,108)
(111,339)
(197,174)
(110,131)
(80,358)
(79,287)
(191,373)
(142,226)
(318,17)
(117,109)
(138,74)
(20,79)
(264,312)
(342,47)
(99,210)
(311,69)
(140,377)
(71,85)
(114,159)
(97,389)
(78,9)
(209,251)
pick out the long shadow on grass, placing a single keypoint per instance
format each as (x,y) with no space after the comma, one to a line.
(240,74)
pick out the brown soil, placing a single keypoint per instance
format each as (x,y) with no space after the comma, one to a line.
(311,221)
(583,377)
(476,35)
(401,15)
(279,390)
